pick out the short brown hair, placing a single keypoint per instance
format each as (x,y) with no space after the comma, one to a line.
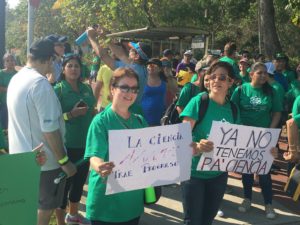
(121,73)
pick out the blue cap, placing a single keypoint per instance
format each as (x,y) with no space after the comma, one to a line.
(142,49)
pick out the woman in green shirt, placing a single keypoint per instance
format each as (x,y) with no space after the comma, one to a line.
(78,103)
(5,76)
(260,106)
(121,208)
(203,193)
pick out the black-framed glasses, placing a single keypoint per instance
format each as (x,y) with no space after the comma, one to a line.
(128,89)
(221,77)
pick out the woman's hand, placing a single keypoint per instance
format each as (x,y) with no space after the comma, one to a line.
(105,168)
(40,157)
(79,110)
(203,145)
(292,156)
(274,152)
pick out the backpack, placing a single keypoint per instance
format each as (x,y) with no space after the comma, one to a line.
(171,115)
(204,105)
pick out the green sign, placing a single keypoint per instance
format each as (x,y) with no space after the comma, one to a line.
(19,189)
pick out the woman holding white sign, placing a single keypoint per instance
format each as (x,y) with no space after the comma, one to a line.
(203,193)
(260,106)
(122,208)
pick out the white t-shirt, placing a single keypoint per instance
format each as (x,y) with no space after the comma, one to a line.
(33,108)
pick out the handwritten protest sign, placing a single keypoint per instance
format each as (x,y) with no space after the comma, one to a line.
(149,157)
(19,182)
(241,149)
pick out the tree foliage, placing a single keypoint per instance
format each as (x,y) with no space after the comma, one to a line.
(224,20)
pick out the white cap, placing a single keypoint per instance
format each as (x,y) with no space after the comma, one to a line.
(188,52)
(270,68)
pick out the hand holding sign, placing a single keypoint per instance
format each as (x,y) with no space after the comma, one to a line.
(203,145)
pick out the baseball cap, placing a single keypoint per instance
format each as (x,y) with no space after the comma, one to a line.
(155,61)
(280,55)
(42,48)
(167,52)
(57,38)
(244,60)
(144,50)
(270,68)
(188,52)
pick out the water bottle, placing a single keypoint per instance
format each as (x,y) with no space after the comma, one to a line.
(82,38)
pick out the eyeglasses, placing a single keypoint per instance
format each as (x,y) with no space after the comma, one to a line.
(221,77)
(127,89)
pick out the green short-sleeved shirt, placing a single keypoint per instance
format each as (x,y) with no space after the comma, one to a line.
(95,64)
(215,112)
(280,91)
(194,78)
(76,128)
(292,93)
(5,78)
(296,111)
(289,75)
(246,78)
(188,91)
(118,207)
(255,106)
(233,63)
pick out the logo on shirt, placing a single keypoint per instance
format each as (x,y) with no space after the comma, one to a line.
(255,101)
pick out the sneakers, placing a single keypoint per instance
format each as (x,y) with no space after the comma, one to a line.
(270,212)
(245,206)
(77,219)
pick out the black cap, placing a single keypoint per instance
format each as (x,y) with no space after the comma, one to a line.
(57,38)
(155,61)
(167,52)
(42,48)
(280,55)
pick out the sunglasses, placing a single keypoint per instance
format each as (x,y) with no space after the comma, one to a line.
(127,89)
(222,77)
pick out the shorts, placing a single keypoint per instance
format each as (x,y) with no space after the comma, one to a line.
(51,194)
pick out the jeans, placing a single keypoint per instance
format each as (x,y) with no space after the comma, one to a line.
(202,199)
(265,183)
(134,221)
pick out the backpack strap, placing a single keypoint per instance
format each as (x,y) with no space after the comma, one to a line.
(202,108)
(234,111)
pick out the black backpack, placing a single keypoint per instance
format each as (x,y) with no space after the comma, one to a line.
(171,115)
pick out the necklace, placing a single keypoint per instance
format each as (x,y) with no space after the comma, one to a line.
(122,122)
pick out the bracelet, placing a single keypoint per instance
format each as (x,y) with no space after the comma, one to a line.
(65,115)
(71,114)
(64,160)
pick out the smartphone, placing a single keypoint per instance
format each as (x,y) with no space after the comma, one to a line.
(82,104)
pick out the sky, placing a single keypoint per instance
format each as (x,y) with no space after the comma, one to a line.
(12,3)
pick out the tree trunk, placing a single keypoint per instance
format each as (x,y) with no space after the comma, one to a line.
(270,38)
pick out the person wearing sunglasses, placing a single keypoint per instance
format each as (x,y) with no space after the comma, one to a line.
(203,193)
(77,102)
(260,106)
(121,208)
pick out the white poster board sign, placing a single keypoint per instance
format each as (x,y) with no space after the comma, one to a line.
(241,149)
(151,156)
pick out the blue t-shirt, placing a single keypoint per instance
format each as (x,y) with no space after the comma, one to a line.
(141,71)
(153,103)
(281,79)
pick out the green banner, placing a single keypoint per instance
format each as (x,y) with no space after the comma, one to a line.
(19,189)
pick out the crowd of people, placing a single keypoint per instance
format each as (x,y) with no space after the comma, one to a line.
(54,100)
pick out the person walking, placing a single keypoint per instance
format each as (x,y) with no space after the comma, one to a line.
(35,116)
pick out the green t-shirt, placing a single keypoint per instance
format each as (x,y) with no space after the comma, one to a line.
(246,78)
(76,128)
(194,78)
(95,64)
(5,78)
(280,91)
(255,106)
(296,111)
(292,93)
(232,62)
(188,91)
(118,207)
(215,112)
(85,72)
(289,75)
